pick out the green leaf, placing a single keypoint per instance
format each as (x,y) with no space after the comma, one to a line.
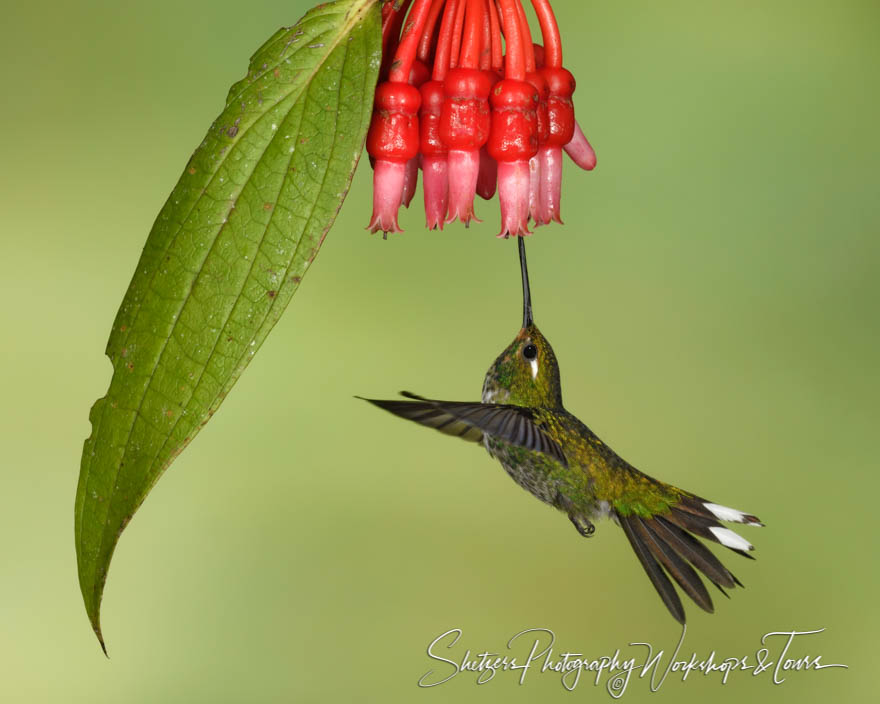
(223,260)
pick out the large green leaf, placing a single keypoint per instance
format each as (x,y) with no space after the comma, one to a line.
(223,259)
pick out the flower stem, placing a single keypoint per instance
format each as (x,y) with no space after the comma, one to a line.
(486,36)
(496,62)
(528,49)
(550,33)
(392,20)
(456,34)
(406,50)
(514,62)
(444,41)
(471,45)
(427,40)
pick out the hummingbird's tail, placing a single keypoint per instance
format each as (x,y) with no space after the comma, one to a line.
(666,541)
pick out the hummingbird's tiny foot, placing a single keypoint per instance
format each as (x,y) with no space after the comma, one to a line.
(584,527)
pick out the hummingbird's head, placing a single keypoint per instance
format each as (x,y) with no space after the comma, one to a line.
(526,372)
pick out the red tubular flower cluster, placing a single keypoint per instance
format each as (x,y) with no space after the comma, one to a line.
(467,97)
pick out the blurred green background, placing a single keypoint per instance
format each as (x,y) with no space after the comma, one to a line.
(713,301)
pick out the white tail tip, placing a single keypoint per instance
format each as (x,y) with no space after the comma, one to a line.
(730,539)
(725,513)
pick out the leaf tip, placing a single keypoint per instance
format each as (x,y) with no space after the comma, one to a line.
(96,627)
(93,611)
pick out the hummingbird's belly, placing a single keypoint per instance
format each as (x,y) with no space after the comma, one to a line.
(527,469)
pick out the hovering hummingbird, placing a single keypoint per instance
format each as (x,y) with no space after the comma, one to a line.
(551,454)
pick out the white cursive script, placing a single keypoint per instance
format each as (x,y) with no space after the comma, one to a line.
(535,650)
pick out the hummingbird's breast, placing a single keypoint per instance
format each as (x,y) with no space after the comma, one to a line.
(533,471)
(530,470)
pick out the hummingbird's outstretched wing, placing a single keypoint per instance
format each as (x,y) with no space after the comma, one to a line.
(473,421)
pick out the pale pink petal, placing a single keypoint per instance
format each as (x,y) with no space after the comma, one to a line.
(435,184)
(551,185)
(513,192)
(580,150)
(410,179)
(388,178)
(535,190)
(464,168)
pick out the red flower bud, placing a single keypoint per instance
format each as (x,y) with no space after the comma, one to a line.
(464,121)
(514,134)
(560,109)
(394,129)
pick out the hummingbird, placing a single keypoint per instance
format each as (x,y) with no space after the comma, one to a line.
(549,452)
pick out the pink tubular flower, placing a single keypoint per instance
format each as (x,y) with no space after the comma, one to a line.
(393,139)
(512,143)
(513,140)
(464,129)
(537,165)
(435,179)
(560,111)
(418,76)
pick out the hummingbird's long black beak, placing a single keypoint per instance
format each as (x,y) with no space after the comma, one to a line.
(527,294)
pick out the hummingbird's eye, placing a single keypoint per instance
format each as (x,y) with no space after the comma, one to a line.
(530,352)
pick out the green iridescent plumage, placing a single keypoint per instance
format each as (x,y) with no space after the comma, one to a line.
(549,452)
